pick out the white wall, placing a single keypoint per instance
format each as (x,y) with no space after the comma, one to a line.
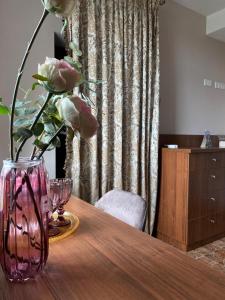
(187,57)
(18,19)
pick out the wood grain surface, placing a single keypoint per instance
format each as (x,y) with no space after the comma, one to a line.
(107,259)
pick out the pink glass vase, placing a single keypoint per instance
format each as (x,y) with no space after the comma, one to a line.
(23,219)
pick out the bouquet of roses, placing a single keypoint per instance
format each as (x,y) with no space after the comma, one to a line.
(44,118)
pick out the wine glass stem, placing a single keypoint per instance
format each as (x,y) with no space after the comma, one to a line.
(61,212)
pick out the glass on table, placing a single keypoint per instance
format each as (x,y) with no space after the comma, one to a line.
(55,194)
(66,186)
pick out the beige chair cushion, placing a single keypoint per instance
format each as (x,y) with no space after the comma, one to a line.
(125,206)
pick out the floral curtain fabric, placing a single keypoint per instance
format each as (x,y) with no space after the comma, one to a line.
(119,40)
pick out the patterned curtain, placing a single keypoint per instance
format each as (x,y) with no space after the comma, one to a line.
(119,40)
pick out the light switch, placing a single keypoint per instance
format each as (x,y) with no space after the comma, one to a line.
(219,85)
(207,82)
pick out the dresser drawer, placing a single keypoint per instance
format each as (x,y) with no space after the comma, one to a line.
(216,179)
(202,161)
(216,202)
(205,228)
(205,182)
(216,160)
(204,204)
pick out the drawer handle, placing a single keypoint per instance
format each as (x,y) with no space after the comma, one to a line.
(214,159)
(212,221)
(213,176)
(213,199)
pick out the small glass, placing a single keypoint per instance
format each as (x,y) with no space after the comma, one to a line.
(54,199)
(66,186)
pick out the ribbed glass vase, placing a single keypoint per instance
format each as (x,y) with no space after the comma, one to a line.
(23,219)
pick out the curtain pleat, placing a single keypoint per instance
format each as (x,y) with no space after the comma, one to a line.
(119,40)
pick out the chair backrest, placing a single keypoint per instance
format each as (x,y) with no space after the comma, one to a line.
(125,206)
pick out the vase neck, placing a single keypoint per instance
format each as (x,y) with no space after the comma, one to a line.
(23,162)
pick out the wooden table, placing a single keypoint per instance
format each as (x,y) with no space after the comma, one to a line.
(107,259)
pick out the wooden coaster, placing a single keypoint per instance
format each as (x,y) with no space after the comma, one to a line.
(65,231)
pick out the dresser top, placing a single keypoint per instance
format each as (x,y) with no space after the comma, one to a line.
(195,150)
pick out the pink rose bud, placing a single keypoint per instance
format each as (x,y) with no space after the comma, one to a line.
(77,114)
(88,123)
(62,77)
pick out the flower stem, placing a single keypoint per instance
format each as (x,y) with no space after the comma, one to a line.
(20,73)
(33,153)
(34,123)
(51,140)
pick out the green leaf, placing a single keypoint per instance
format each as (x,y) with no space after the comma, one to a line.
(69,59)
(45,119)
(78,52)
(4,110)
(23,122)
(76,64)
(46,137)
(38,129)
(16,137)
(56,142)
(40,77)
(51,109)
(24,132)
(35,85)
(49,128)
(19,112)
(75,49)
(39,144)
(56,120)
(98,81)
(22,103)
(73,46)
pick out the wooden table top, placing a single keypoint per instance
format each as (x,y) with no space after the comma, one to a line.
(107,259)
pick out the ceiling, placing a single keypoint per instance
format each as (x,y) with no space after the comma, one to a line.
(203,7)
(214,11)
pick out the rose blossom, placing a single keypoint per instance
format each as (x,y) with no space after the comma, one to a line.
(88,123)
(61,8)
(77,114)
(62,77)
(68,112)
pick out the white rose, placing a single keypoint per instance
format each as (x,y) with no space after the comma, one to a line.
(62,77)
(68,112)
(61,8)
(77,114)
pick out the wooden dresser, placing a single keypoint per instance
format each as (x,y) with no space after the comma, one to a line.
(192,197)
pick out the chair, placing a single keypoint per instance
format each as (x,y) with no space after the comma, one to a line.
(125,206)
